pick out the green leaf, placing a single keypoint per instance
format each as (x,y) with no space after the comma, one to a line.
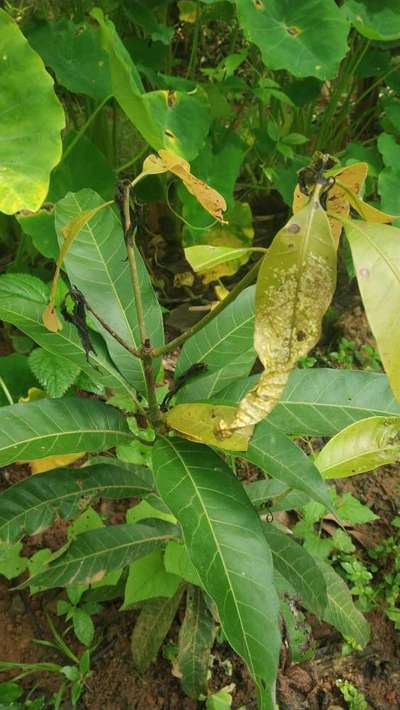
(203,387)
(94,553)
(15,372)
(280,458)
(296,565)
(375,20)
(28,107)
(75,54)
(205,257)
(30,506)
(96,264)
(229,335)
(285,33)
(176,561)
(321,402)
(225,542)
(196,637)
(55,374)
(361,447)
(83,626)
(340,611)
(300,263)
(263,490)
(40,227)
(179,122)
(143,510)
(148,578)
(151,628)
(351,509)
(39,429)
(11,564)
(23,299)
(374,250)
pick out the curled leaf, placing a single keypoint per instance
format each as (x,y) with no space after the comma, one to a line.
(295,285)
(210,199)
(200,422)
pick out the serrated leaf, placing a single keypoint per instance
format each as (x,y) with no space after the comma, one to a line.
(37,429)
(151,628)
(285,34)
(200,422)
(148,578)
(322,402)
(94,553)
(30,506)
(375,250)
(279,457)
(96,264)
(55,374)
(224,538)
(22,300)
(300,263)
(28,107)
(362,446)
(296,565)
(196,637)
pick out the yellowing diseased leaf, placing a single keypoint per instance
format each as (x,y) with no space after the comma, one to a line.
(361,447)
(375,249)
(209,198)
(200,422)
(350,178)
(70,231)
(50,462)
(295,285)
(204,257)
(367,212)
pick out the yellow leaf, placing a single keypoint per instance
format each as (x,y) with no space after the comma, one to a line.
(50,462)
(367,212)
(295,285)
(70,231)
(200,422)
(209,198)
(34,393)
(351,177)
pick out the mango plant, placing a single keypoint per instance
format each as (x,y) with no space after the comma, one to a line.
(199,533)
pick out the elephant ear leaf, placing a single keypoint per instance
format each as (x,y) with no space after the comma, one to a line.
(27,94)
(295,286)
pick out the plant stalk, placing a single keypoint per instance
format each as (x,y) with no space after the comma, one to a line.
(84,128)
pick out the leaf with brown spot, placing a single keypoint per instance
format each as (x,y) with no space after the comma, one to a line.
(350,178)
(200,422)
(295,285)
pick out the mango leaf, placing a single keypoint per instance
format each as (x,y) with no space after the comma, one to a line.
(202,258)
(375,255)
(279,457)
(196,638)
(285,34)
(321,402)
(75,54)
(203,387)
(176,561)
(366,211)
(55,374)
(96,264)
(375,20)
(348,181)
(229,335)
(296,565)
(37,429)
(176,121)
(22,300)
(200,422)
(27,95)
(148,578)
(50,462)
(95,552)
(300,263)
(31,505)
(340,611)
(225,542)
(151,628)
(361,447)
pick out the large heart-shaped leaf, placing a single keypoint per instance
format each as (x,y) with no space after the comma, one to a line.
(95,552)
(361,447)
(375,251)
(375,19)
(22,302)
(321,402)
(31,119)
(48,427)
(226,544)
(96,263)
(30,506)
(286,35)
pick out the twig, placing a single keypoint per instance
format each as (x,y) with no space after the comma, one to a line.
(112,332)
